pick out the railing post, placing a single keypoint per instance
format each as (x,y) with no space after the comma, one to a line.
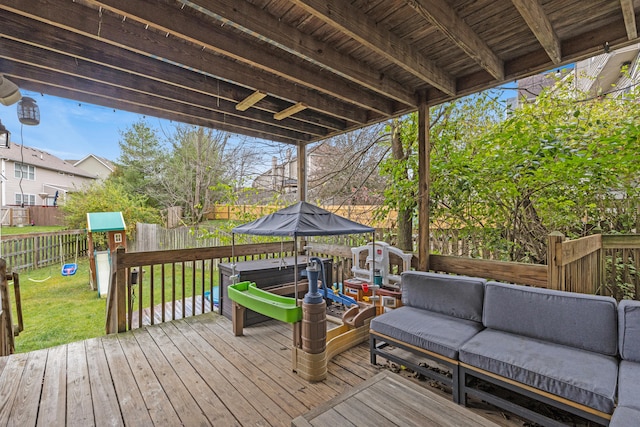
(121,290)
(6,321)
(555,272)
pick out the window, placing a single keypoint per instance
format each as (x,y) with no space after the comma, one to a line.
(25,171)
(29,199)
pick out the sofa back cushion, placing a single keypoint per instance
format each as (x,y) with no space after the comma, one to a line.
(629,330)
(588,322)
(457,296)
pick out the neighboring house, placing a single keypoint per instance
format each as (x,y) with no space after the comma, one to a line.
(612,73)
(283,177)
(34,177)
(98,166)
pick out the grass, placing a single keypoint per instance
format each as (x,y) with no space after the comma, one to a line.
(58,310)
(61,309)
(10,231)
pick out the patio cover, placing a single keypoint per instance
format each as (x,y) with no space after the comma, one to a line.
(302,219)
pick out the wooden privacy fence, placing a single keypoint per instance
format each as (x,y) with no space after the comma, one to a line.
(360,213)
(36,250)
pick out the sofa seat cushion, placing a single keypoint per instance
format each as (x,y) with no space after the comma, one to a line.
(434,332)
(629,385)
(624,416)
(580,376)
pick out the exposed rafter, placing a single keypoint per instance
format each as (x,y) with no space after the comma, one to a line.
(176,23)
(343,16)
(258,23)
(350,63)
(538,22)
(126,35)
(629,15)
(440,14)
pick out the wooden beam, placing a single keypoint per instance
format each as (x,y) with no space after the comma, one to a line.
(151,104)
(440,14)
(629,15)
(538,22)
(250,101)
(26,54)
(424,167)
(302,172)
(132,37)
(21,29)
(109,102)
(344,17)
(258,23)
(295,108)
(47,37)
(175,22)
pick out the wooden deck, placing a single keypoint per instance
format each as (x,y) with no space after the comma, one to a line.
(186,372)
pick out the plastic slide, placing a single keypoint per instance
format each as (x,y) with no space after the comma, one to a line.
(248,295)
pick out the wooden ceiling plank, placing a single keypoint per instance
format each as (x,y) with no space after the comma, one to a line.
(48,38)
(339,14)
(74,18)
(535,17)
(108,102)
(440,14)
(218,39)
(629,15)
(186,113)
(259,23)
(29,55)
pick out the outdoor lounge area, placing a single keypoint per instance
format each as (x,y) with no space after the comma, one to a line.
(196,372)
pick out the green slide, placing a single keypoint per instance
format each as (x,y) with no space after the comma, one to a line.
(277,307)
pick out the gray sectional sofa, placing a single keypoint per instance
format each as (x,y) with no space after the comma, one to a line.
(576,352)
(439,314)
(627,412)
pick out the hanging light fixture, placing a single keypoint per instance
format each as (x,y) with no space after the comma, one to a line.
(28,111)
(4,136)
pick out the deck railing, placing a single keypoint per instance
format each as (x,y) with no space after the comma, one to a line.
(177,280)
(151,287)
(7,329)
(603,264)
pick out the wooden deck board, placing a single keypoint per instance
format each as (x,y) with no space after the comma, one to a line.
(53,399)
(193,371)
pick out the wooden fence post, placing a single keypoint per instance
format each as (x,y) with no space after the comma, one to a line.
(555,273)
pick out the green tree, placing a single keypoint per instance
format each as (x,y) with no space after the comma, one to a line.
(108,196)
(198,166)
(140,164)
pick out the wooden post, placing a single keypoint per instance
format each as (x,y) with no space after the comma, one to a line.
(16,290)
(302,172)
(6,321)
(237,318)
(555,272)
(424,150)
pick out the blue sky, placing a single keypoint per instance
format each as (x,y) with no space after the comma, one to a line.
(72,130)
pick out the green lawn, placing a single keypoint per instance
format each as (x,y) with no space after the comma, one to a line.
(10,231)
(58,310)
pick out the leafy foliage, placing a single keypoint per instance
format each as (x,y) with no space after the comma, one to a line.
(109,196)
(562,163)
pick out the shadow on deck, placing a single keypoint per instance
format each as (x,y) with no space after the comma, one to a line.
(186,372)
